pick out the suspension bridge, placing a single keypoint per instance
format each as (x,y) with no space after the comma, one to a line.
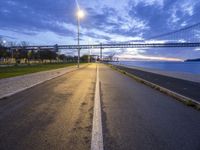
(185,37)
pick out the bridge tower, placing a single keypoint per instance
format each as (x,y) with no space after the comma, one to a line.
(101,53)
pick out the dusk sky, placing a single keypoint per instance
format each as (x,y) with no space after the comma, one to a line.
(106,21)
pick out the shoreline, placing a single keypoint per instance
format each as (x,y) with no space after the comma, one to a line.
(182,87)
(178,75)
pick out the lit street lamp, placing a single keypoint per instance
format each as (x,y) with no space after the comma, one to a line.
(80,15)
(4,41)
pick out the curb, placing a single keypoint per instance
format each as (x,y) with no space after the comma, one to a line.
(186,100)
(23,89)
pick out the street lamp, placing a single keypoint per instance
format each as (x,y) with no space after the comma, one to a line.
(4,41)
(80,15)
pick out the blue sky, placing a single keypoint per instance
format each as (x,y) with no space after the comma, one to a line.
(54,21)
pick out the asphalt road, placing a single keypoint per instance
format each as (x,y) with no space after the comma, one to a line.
(54,115)
(137,117)
(183,87)
(58,115)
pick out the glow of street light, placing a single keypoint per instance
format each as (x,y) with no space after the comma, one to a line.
(80,14)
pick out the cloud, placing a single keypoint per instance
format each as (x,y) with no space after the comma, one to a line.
(182,12)
(114,18)
(33,15)
(159,3)
(38,38)
(144,54)
(187,7)
(150,58)
(197,49)
(106,21)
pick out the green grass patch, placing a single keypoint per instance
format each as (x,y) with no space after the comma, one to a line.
(12,71)
(190,103)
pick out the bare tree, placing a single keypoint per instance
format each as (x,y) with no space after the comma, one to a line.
(23,44)
(11,44)
(1,42)
(111,56)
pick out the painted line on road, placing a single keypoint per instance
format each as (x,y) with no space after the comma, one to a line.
(97,135)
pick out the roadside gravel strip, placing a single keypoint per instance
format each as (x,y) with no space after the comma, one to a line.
(10,86)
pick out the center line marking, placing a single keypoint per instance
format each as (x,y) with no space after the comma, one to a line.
(97,135)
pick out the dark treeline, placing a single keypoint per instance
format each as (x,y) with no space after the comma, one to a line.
(34,55)
(41,56)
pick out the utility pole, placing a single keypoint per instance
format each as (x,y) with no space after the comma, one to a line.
(78,35)
(80,15)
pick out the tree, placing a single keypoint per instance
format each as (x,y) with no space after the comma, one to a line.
(47,54)
(62,57)
(23,44)
(30,54)
(3,50)
(84,58)
(2,42)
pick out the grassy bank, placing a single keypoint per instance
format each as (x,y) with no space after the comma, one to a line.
(12,71)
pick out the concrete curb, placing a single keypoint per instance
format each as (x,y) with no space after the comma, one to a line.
(186,100)
(23,89)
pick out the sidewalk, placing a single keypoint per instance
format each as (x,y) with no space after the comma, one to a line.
(10,86)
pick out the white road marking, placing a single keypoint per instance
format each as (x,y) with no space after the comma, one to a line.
(97,135)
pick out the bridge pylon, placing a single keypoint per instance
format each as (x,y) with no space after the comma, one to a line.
(101,51)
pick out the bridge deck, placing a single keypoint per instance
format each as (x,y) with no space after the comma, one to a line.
(102,46)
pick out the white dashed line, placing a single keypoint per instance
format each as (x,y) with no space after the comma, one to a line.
(97,136)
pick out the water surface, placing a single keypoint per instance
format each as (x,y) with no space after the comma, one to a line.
(182,67)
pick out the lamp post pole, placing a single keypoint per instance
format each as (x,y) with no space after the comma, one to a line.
(78,38)
(80,15)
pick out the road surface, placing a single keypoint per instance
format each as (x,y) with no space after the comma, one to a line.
(54,115)
(137,117)
(58,115)
(183,87)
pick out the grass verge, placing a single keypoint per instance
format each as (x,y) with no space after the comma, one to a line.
(12,71)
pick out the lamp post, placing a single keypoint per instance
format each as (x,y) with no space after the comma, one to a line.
(80,15)
(4,42)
